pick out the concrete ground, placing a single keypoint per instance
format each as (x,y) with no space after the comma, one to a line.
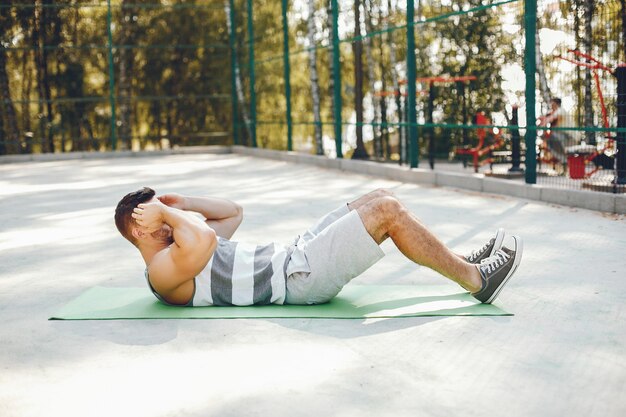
(562,354)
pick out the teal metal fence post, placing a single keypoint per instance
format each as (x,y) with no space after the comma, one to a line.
(252,80)
(233,70)
(287,75)
(111,79)
(530,23)
(336,80)
(411,76)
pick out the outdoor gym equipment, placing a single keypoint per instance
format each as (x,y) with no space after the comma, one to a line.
(432,94)
(481,149)
(580,156)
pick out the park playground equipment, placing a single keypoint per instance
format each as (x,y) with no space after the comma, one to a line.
(489,137)
(483,147)
(432,82)
(475,152)
(580,156)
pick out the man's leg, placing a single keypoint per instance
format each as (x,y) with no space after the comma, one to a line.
(557,144)
(372,195)
(384,216)
(341,211)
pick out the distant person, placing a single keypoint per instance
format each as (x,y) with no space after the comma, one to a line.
(192,262)
(558,140)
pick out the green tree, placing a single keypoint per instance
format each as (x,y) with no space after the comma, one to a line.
(467,45)
(9,132)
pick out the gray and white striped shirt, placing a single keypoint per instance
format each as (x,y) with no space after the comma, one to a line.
(242,274)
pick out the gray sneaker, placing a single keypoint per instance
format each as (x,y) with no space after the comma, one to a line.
(488,250)
(496,270)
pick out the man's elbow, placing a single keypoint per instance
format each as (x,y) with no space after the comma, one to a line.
(239,214)
(208,239)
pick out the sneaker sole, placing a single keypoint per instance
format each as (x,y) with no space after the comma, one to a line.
(519,248)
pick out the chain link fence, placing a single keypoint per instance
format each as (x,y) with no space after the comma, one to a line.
(527,90)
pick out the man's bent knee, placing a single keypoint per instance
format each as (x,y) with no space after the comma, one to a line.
(383,192)
(379,215)
(389,205)
(383,210)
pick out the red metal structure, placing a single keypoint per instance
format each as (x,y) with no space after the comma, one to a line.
(577,162)
(482,149)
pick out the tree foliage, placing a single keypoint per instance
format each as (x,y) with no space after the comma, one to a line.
(171,69)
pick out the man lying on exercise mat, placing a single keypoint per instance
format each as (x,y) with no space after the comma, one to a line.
(191,262)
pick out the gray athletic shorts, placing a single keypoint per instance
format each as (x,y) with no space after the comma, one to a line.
(335,250)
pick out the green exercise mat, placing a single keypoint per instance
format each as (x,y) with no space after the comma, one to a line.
(354,302)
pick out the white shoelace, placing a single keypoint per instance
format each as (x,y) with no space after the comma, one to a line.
(495,261)
(475,254)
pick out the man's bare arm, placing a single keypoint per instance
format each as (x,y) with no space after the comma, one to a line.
(223,216)
(194,244)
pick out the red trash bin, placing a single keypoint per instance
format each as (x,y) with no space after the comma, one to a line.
(576,166)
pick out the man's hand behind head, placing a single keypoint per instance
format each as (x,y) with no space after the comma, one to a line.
(173,200)
(149,215)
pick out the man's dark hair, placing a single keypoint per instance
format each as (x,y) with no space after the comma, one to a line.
(124,211)
(557,101)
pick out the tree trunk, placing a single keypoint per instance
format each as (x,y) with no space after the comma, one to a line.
(156,112)
(9,132)
(37,29)
(331,79)
(546,95)
(26,90)
(43,82)
(371,75)
(168,127)
(84,130)
(315,88)
(25,24)
(432,94)
(55,38)
(396,89)
(124,85)
(10,139)
(623,3)
(46,21)
(587,46)
(3,141)
(464,113)
(238,83)
(359,152)
(578,83)
(383,99)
